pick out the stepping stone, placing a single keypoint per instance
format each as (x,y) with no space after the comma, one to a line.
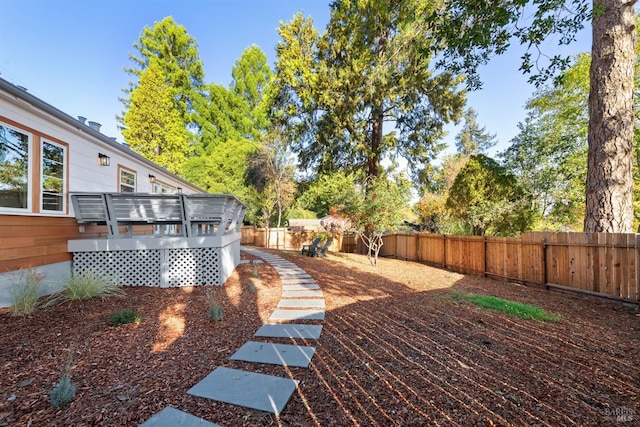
(304,293)
(170,417)
(289,330)
(257,261)
(300,287)
(287,314)
(301,303)
(275,354)
(286,282)
(244,261)
(249,389)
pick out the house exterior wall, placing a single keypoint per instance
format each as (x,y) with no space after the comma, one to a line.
(36,238)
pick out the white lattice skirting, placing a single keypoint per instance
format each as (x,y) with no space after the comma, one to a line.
(159,261)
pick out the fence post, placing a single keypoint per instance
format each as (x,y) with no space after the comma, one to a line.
(444,251)
(484,256)
(544,262)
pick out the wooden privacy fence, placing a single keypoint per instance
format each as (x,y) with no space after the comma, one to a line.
(603,264)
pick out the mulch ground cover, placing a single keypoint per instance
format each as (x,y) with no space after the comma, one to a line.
(396,349)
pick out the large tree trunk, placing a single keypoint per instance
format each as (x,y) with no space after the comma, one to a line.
(373,162)
(609,197)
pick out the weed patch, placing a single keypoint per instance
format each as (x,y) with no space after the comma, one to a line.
(513,308)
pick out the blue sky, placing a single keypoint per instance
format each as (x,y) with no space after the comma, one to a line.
(71,53)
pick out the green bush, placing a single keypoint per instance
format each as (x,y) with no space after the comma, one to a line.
(254,272)
(86,286)
(123,317)
(24,294)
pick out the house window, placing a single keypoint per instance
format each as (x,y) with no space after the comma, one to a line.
(53,176)
(15,185)
(127,181)
(160,188)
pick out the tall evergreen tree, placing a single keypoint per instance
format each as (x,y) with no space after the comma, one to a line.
(153,127)
(251,76)
(473,139)
(370,68)
(176,52)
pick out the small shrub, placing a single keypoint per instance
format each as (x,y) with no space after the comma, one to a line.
(123,317)
(252,286)
(215,311)
(254,272)
(64,391)
(86,286)
(24,294)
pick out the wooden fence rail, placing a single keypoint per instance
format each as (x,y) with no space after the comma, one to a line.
(603,264)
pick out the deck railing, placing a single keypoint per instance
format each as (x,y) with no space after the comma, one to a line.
(177,214)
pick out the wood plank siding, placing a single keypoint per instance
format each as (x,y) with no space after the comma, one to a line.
(31,241)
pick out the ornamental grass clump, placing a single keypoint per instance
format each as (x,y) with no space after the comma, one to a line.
(85,286)
(215,310)
(122,317)
(24,294)
(252,286)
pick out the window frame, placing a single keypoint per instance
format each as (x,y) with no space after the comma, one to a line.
(30,166)
(65,175)
(134,173)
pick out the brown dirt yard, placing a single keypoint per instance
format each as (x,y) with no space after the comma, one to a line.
(396,349)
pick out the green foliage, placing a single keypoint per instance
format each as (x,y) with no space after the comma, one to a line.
(473,139)
(176,52)
(549,155)
(299,213)
(153,126)
(254,271)
(328,191)
(24,293)
(376,210)
(251,76)
(86,286)
(371,67)
(122,317)
(472,32)
(486,199)
(271,172)
(513,308)
(225,170)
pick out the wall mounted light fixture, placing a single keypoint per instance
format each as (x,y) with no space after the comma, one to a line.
(178,189)
(104,159)
(152,178)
